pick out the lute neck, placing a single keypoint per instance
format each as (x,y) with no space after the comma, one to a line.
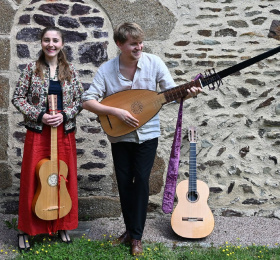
(180,91)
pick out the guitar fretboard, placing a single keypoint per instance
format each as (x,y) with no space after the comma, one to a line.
(192,169)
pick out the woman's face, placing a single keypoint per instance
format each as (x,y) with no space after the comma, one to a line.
(51,44)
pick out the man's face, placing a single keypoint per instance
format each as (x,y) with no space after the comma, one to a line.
(132,48)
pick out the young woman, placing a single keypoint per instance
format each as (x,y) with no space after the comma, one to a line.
(50,74)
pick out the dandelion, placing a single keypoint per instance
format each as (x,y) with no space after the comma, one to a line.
(1,250)
(88,240)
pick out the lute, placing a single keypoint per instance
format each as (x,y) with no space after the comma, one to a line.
(192,217)
(145,104)
(51,200)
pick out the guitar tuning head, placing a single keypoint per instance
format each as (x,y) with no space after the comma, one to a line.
(192,134)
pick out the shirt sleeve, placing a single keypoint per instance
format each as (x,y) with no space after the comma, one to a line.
(164,77)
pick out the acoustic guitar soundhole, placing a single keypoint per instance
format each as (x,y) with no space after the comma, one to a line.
(137,107)
(192,196)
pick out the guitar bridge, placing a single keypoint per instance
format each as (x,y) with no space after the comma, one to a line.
(53,208)
(192,219)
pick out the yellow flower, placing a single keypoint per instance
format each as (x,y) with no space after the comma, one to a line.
(88,239)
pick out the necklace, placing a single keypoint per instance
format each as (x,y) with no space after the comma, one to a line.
(55,75)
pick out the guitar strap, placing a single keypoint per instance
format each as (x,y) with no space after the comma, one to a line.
(172,172)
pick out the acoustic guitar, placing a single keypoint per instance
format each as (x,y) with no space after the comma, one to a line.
(145,104)
(192,217)
(51,200)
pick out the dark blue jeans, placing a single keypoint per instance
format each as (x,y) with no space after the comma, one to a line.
(133,163)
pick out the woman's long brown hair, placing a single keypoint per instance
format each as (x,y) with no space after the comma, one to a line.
(64,72)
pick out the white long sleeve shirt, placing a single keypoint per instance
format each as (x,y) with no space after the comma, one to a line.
(151,72)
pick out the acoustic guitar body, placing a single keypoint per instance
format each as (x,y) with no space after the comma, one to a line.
(45,202)
(143,104)
(192,219)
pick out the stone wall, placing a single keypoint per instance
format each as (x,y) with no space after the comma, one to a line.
(237,124)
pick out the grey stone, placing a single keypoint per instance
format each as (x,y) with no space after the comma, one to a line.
(4,93)
(6,17)
(29,34)
(54,8)
(226,32)
(89,22)
(23,51)
(68,22)
(3,136)
(78,9)
(95,53)
(238,23)
(44,20)
(24,19)
(97,34)
(91,165)
(4,54)
(74,36)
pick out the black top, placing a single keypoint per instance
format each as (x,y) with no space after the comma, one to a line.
(55,89)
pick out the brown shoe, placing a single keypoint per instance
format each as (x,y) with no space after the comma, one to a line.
(123,239)
(136,247)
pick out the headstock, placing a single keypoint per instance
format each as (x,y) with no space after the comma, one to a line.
(52,104)
(211,78)
(192,134)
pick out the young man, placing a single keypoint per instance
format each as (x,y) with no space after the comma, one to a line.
(133,153)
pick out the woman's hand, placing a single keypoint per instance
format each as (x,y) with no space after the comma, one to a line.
(52,120)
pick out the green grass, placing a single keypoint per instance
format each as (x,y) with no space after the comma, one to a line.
(84,248)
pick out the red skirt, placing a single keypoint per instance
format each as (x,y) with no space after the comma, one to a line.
(36,148)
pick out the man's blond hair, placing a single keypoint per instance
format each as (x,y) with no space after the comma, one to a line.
(122,31)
